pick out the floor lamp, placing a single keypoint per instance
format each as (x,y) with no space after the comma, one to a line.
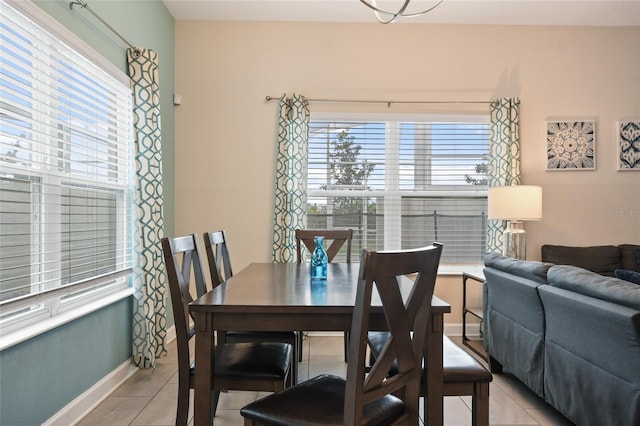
(516,204)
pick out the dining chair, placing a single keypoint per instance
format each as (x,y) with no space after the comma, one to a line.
(336,239)
(463,375)
(220,270)
(263,366)
(368,395)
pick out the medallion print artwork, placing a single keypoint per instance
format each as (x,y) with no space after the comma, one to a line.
(629,145)
(571,145)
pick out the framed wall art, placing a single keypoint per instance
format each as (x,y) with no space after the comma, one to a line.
(571,145)
(628,134)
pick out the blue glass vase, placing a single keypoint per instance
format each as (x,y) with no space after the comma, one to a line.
(319,261)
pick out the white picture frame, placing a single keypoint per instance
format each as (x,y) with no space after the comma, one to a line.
(571,144)
(628,137)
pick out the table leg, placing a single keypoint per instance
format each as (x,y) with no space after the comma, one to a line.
(435,380)
(203,374)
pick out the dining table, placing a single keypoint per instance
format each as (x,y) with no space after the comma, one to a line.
(281,297)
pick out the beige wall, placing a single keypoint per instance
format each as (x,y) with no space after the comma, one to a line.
(225,131)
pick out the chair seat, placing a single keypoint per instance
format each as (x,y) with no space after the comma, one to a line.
(458,366)
(275,336)
(318,401)
(461,367)
(261,360)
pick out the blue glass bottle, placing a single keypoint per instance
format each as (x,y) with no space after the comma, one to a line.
(319,261)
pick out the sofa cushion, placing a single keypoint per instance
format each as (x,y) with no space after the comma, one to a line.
(533,270)
(601,259)
(626,275)
(630,257)
(595,285)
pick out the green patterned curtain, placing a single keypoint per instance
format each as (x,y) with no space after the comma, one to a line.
(291,176)
(504,162)
(149,310)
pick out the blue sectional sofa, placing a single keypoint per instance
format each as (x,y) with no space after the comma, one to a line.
(569,334)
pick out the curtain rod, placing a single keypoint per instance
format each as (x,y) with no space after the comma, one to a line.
(273,98)
(83,4)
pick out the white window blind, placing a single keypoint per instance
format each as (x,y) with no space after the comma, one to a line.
(401,184)
(65,170)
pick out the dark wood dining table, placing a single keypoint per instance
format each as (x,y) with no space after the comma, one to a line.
(281,297)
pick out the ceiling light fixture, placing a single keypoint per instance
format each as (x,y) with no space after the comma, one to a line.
(386,17)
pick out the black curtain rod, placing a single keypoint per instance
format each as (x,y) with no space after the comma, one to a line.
(388,103)
(83,4)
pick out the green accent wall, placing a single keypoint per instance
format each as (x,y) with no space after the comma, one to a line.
(40,376)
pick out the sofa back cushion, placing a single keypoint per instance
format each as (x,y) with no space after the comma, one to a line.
(585,282)
(601,259)
(532,270)
(630,257)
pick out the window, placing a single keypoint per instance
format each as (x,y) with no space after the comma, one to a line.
(402,183)
(65,171)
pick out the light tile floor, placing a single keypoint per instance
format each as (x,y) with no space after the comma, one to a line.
(149,397)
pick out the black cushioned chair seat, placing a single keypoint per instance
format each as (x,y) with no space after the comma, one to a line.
(458,366)
(461,367)
(260,360)
(326,396)
(275,336)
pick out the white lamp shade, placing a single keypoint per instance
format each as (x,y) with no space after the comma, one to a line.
(516,202)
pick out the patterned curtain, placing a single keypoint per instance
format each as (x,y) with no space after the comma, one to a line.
(291,176)
(504,162)
(149,310)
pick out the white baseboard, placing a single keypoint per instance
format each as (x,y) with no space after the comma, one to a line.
(171,334)
(473,330)
(77,409)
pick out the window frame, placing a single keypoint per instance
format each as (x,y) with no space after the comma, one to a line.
(393,194)
(48,312)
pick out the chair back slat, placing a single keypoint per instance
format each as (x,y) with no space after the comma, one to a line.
(407,322)
(217,248)
(335,238)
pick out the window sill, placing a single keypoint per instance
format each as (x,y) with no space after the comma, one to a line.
(459,268)
(16,337)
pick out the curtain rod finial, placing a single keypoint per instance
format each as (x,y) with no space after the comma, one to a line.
(78,2)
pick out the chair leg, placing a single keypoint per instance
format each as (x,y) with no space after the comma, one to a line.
(215,396)
(480,405)
(293,372)
(182,412)
(494,365)
(300,344)
(346,346)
